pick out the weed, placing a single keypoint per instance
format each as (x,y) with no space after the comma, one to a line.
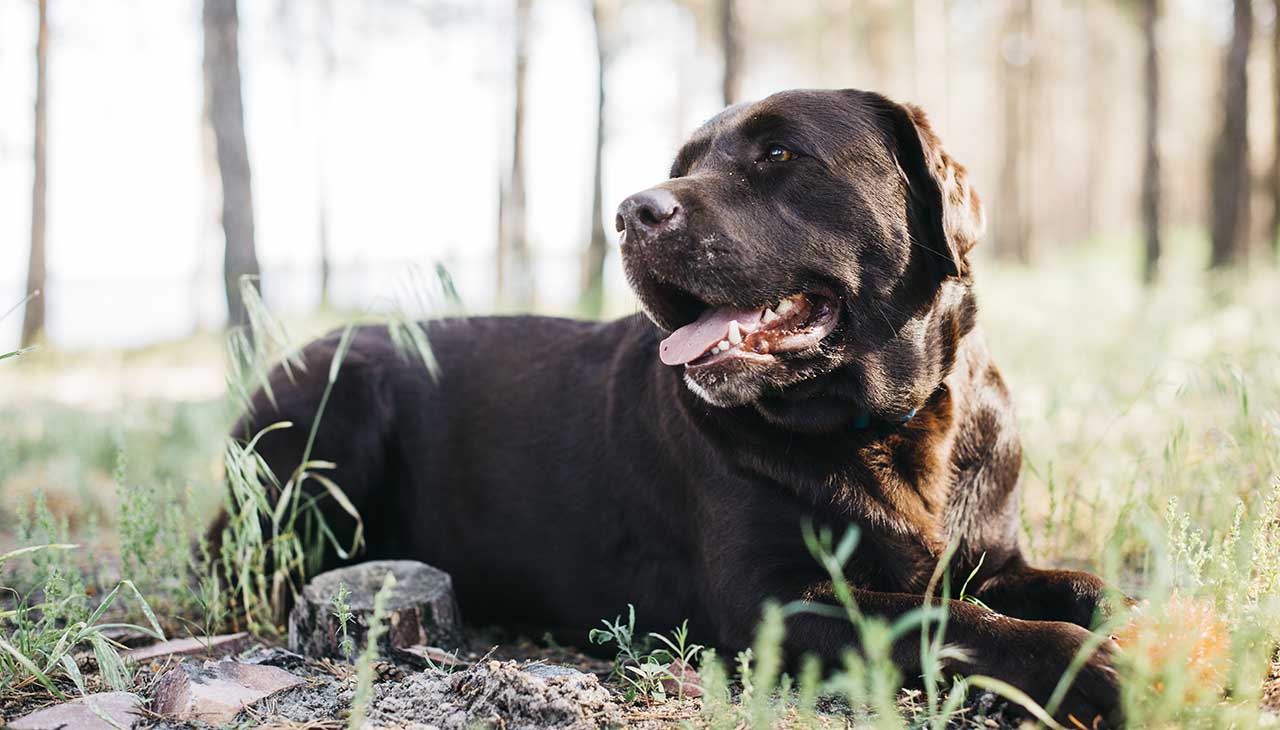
(298,535)
(207,597)
(341,610)
(42,637)
(644,671)
(369,657)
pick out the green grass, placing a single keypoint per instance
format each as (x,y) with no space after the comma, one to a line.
(1151,432)
(270,545)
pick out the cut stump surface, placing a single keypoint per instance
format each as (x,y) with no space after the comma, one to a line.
(422,609)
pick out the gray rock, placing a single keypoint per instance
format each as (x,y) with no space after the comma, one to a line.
(272,656)
(422,609)
(103,711)
(217,691)
(548,671)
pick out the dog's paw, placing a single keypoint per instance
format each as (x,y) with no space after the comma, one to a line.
(1086,599)
(1038,656)
(1092,699)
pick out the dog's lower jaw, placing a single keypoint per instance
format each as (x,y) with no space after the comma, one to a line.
(730,392)
(816,411)
(816,415)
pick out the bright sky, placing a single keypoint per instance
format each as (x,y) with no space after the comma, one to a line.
(413,132)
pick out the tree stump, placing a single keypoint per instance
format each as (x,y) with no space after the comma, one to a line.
(421,610)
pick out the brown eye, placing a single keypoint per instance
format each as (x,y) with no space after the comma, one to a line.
(778,153)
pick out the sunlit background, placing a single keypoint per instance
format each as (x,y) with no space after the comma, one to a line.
(392,120)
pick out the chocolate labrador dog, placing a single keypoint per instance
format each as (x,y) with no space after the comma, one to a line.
(808,353)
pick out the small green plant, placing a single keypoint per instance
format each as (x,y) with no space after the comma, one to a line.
(291,548)
(647,672)
(38,641)
(267,565)
(341,610)
(765,665)
(369,657)
(207,598)
(680,654)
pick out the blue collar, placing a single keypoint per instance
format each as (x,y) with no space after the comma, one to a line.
(863,419)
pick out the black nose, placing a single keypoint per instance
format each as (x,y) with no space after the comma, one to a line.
(648,213)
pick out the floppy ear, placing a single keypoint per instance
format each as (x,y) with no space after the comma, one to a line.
(947,206)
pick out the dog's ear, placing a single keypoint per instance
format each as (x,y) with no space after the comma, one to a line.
(947,207)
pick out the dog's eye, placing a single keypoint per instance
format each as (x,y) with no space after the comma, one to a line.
(778,153)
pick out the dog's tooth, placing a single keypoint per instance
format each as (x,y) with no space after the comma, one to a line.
(735,332)
(769,315)
(724,345)
(786,305)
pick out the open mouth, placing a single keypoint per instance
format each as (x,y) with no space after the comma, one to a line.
(796,323)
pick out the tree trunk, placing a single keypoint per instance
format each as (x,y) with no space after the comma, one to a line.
(1151,158)
(420,610)
(1229,183)
(1099,76)
(1012,211)
(329,67)
(226,114)
(514,265)
(731,45)
(592,297)
(33,312)
(1274,231)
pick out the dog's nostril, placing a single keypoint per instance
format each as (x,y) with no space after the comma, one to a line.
(654,215)
(649,216)
(619,224)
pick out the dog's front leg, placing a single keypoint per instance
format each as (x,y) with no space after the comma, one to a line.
(1035,594)
(1030,655)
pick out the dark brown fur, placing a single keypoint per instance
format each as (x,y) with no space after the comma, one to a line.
(559,471)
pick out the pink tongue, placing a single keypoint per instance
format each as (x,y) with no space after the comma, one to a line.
(692,340)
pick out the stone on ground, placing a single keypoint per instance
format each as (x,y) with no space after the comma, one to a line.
(684,682)
(549,671)
(103,711)
(216,692)
(422,609)
(212,647)
(428,657)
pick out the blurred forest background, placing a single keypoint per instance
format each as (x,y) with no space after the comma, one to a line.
(152,152)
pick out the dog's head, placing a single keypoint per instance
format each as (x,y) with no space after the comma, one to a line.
(808,256)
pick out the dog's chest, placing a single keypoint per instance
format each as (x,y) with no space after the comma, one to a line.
(897,489)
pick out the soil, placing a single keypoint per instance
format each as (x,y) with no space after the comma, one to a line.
(516,684)
(496,694)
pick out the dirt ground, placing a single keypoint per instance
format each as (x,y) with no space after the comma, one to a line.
(517,684)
